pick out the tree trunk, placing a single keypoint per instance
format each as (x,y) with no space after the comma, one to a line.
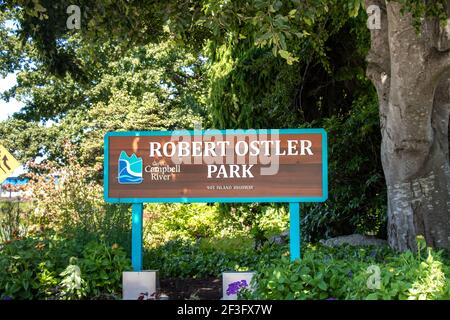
(410,71)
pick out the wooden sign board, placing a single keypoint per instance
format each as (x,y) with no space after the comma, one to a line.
(216,166)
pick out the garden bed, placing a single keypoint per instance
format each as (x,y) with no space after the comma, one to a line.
(192,289)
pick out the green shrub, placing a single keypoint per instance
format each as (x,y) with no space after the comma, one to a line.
(259,220)
(199,260)
(226,245)
(44,268)
(101,268)
(166,222)
(190,222)
(408,276)
(31,266)
(344,273)
(273,220)
(357,189)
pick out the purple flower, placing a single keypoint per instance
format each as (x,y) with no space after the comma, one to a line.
(7,298)
(234,287)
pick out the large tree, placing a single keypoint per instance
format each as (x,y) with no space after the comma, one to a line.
(409,63)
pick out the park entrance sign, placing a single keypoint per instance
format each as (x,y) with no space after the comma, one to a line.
(286,165)
(215,166)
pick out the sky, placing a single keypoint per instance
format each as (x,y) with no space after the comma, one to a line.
(7,109)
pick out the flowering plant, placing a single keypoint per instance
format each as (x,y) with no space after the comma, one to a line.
(234,287)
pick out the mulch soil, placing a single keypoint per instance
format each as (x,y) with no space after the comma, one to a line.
(191,289)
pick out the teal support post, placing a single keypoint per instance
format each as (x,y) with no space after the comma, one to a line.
(294,216)
(136,236)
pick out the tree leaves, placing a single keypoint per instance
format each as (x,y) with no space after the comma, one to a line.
(153,87)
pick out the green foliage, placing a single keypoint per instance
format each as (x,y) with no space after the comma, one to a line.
(155,87)
(39,268)
(421,9)
(70,203)
(344,273)
(14,220)
(408,277)
(273,220)
(274,25)
(72,285)
(67,218)
(258,220)
(166,222)
(190,222)
(250,88)
(102,267)
(226,245)
(31,266)
(356,182)
(198,260)
(246,91)
(25,138)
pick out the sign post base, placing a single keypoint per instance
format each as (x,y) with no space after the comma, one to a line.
(136,236)
(140,285)
(233,282)
(294,239)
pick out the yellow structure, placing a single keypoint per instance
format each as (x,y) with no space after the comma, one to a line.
(7,164)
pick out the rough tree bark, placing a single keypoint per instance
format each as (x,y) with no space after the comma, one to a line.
(411,72)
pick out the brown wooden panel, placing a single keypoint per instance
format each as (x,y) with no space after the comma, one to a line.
(297,175)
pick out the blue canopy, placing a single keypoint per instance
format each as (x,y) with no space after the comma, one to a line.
(15,181)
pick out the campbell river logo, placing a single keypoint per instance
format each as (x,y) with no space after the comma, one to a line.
(130,169)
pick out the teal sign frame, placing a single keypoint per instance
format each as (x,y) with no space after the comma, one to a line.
(294,202)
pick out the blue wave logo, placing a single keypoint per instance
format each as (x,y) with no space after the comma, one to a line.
(130,169)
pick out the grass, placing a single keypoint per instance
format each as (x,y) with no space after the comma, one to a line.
(23,205)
